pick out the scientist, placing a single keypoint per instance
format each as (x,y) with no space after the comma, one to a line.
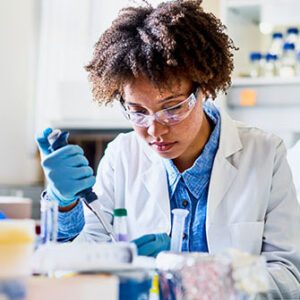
(234,179)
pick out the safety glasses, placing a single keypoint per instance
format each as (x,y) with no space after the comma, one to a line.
(168,116)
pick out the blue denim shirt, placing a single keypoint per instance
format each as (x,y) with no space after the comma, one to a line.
(191,185)
(189,190)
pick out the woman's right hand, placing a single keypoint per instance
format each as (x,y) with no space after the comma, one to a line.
(67,170)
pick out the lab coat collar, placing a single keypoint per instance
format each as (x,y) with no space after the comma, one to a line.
(155,180)
(230,142)
(223,171)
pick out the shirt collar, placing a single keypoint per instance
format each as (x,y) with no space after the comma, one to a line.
(199,174)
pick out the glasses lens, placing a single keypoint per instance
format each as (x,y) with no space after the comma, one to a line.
(177,113)
(139,119)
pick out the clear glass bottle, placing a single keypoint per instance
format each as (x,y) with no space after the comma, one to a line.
(292,35)
(276,44)
(255,64)
(120,224)
(270,67)
(298,64)
(49,221)
(288,61)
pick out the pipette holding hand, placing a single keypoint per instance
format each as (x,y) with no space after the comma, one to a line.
(66,169)
(69,175)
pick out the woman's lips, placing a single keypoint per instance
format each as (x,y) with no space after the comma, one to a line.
(163,146)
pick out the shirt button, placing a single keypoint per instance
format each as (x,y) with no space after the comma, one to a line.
(185,203)
(184,236)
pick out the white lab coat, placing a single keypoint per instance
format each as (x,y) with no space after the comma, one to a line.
(293,156)
(251,201)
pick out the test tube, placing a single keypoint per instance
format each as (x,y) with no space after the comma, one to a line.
(49,215)
(179,216)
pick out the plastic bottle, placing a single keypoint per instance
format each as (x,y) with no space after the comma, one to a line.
(120,224)
(270,66)
(255,64)
(288,61)
(276,44)
(298,64)
(292,35)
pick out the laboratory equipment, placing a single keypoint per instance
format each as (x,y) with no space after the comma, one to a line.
(270,66)
(179,216)
(229,275)
(255,64)
(16,247)
(288,61)
(276,44)
(292,35)
(49,225)
(16,250)
(84,257)
(120,224)
(298,64)
(58,139)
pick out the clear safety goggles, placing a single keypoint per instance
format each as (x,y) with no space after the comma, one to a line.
(168,116)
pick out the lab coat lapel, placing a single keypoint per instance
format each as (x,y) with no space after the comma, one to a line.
(223,171)
(155,181)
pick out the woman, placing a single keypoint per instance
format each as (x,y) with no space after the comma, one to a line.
(160,63)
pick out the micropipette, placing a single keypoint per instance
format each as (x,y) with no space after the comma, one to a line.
(179,216)
(58,139)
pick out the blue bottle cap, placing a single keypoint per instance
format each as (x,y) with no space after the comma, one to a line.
(289,46)
(270,57)
(255,56)
(277,35)
(292,30)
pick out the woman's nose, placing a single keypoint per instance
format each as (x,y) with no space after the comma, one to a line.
(157,129)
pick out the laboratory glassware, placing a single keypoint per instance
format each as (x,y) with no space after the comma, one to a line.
(179,216)
(270,66)
(255,64)
(276,44)
(120,224)
(288,61)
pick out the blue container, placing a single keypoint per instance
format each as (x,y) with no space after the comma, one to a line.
(135,286)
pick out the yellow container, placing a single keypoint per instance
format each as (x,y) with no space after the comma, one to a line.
(16,247)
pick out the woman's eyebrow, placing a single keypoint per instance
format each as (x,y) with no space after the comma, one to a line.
(171,97)
(160,101)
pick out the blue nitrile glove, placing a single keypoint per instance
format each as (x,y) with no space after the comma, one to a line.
(66,170)
(152,244)
(2,215)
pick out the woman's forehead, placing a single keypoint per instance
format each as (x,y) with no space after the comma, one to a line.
(143,88)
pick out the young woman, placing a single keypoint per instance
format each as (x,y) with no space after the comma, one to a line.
(162,64)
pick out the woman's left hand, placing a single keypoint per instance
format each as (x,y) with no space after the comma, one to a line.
(152,244)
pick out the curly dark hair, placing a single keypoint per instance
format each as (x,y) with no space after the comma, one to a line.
(175,39)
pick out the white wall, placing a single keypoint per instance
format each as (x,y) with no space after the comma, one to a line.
(17,74)
(212,6)
(18,57)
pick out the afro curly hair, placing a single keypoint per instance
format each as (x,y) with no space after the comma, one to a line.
(177,38)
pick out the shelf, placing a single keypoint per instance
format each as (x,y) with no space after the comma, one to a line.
(264,92)
(236,82)
(274,12)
